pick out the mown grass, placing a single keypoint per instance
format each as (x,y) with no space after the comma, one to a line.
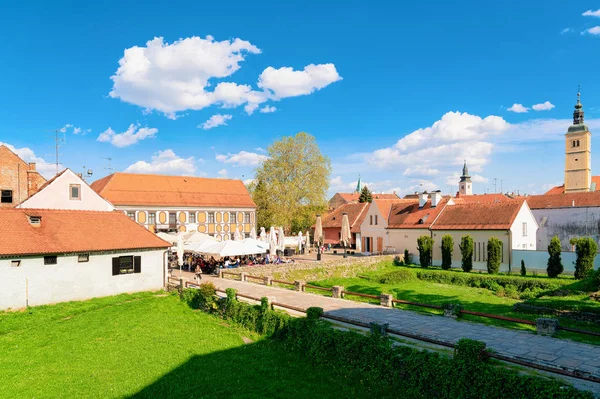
(474,299)
(144,345)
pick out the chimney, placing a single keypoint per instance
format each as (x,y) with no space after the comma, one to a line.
(32,166)
(436,197)
(422,199)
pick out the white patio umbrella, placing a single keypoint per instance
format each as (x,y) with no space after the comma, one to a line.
(195,237)
(346,234)
(272,241)
(180,251)
(237,236)
(253,233)
(281,239)
(172,238)
(198,240)
(258,243)
(318,236)
(307,239)
(263,234)
(233,248)
(300,241)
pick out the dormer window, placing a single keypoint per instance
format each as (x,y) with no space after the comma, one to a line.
(75,192)
(35,221)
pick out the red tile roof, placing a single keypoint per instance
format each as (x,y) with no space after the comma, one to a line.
(177,191)
(408,215)
(479,216)
(68,231)
(385,205)
(561,189)
(564,200)
(481,198)
(356,215)
(349,197)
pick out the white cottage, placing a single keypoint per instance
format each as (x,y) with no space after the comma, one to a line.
(49,255)
(373,229)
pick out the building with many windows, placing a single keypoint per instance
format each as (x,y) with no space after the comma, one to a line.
(180,203)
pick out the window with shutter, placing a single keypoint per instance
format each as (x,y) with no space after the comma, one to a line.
(137,264)
(115,266)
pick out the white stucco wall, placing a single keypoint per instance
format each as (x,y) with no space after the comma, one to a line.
(70,280)
(374,230)
(526,241)
(56,196)
(567,223)
(407,239)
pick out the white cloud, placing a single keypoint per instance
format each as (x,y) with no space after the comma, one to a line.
(453,179)
(545,106)
(165,162)
(285,82)
(566,30)
(46,169)
(420,170)
(594,31)
(260,149)
(222,173)
(249,181)
(215,121)
(590,13)
(132,135)
(242,158)
(174,77)
(267,109)
(518,108)
(76,130)
(65,127)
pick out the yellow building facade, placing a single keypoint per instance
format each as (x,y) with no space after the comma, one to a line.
(578,154)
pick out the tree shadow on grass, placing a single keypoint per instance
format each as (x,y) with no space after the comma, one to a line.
(264,369)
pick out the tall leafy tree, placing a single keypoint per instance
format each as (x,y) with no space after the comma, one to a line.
(494,255)
(425,247)
(586,250)
(365,195)
(466,250)
(447,249)
(291,184)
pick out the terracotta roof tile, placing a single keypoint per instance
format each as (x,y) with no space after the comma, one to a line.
(564,200)
(481,198)
(408,215)
(479,216)
(356,214)
(561,189)
(63,231)
(385,205)
(178,191)
(349,197)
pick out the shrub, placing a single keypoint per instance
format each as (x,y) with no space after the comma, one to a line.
(523,270)
(555,266)
(494,255)
(313,313)
(203,298)
(447,249)
(398,261)
(397,276)
(407,259)
(425,246)
(466,249)
(511,291)
(586,249)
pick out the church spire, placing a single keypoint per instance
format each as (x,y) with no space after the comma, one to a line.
(465,186)
(578,113)
(358,185)
(465,170)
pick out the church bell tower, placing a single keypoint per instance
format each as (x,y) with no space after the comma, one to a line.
(578,153)
(465,186)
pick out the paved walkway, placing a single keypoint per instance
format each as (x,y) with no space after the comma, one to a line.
(565,354)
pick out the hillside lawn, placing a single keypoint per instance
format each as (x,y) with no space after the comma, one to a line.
(149,345)
(474,299)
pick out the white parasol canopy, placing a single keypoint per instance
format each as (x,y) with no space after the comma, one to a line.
(300,241)
(263,234)
(318,239)
(307,239)
(346,234)
(237,236)
(232,248)
(258,243)
(195,237)
(272,241)
(253,233)
(180,251)
(281,239)
(172,238)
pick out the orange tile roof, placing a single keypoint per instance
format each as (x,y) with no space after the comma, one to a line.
(408,215)
(561,189)
(356,214)
(176,191)
(479,216)
(349,197)
(68,231)
(481,198)
(385,205)
(564,200)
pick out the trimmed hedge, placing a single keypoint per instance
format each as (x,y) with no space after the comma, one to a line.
(398,276)
(466,250)
(554,264)
(447,249)
(411,373)
(586,249)
(425,247)
(494,255)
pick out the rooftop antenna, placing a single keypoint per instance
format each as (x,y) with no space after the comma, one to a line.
(495,183)
(501,186)
(58,142)
(87,173)
(109,168)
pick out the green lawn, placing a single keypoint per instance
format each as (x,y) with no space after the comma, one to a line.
(475,299)
(146,345)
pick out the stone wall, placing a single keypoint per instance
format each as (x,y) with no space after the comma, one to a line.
(308,271)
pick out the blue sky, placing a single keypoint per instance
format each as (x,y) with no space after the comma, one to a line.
(397,93)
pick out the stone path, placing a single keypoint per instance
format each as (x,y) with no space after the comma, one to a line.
(565,354)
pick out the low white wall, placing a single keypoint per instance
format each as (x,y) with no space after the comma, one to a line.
(539,260)
(70,280)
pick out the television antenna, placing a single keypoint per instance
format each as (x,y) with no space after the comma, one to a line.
(58,142)
(109,168)
(87,173)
